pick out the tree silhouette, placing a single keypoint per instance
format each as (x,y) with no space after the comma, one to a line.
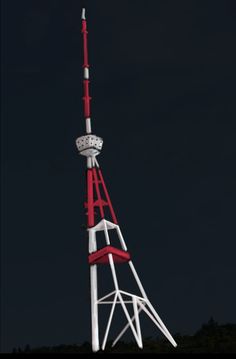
(210,338)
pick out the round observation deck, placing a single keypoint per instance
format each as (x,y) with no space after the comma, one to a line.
(89,145)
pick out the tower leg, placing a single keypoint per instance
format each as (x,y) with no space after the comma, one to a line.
(165,330)
(94,294)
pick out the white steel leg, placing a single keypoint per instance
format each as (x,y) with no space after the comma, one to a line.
(136,314)
(150,305)
(166,333)
(124,330)
(110,256)
(109,323)
(161,322)
(137,280)
(94,308)
(94,294)
(122,241)
(113,271)
(129,319)
(106,234)
(106,296)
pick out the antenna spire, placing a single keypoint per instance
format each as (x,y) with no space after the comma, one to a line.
(86,97)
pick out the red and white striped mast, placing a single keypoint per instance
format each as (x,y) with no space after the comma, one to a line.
(98,198)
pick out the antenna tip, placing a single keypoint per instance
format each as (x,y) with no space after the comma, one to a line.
(83,14)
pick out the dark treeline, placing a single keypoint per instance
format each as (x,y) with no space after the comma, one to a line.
(211,338)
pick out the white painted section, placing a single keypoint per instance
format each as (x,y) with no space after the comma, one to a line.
(117,296)
(93,161)
(132,295)
(161,323)
(117,302)
(129,320)
(109,323)
(89,152)
(106,235)
(106,296)
(96,163)
(94,294)
(86,73)
(94,308)
(136,315)
(165,332)
(89,145)
(122,241)
(92,240)
(152,318)
(88,125)
(101,225)
(124,330)
(137,280)
(83,14)
(111,225)
(113,271)
(105,226)
(89,162)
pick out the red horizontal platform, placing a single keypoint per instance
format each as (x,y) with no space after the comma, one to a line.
(101,256)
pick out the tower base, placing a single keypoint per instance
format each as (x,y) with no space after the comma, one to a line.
(140,303)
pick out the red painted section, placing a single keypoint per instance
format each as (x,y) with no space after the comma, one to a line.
(107,197)
(97,197)
(86,106)
(96,203)
(90,203)
(85,42)
(84,26)
(101,256)
(86,88)
(99,200)
(86,99)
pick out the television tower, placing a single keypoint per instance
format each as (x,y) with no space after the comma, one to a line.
(98,200)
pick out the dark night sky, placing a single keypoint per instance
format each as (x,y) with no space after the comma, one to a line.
(163,86)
